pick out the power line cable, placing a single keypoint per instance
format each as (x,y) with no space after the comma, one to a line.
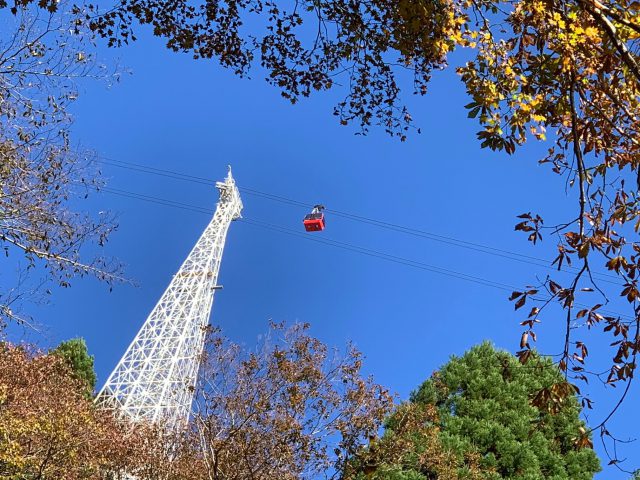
(339,244)
(324,240)
(157,200)
(155,171)
(344,245)
(486,249)
(509,255)
(409,262)
(384,256)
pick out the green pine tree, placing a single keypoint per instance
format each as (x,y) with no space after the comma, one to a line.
(76,353)
(498,419)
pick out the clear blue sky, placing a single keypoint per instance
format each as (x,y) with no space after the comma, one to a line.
(194,117)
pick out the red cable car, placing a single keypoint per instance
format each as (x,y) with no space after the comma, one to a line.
(314,221)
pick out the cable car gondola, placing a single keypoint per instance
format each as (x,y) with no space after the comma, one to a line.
(314,221)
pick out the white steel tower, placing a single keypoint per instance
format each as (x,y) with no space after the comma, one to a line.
(155,379)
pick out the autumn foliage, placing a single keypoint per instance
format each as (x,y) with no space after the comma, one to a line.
(49,429)
(290,409)
(411,449)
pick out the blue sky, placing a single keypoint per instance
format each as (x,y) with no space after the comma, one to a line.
(194,117)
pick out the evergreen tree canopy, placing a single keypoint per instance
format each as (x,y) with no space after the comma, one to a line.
(493,414)
(75,352)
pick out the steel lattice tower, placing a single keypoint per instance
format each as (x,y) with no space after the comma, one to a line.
(155,379)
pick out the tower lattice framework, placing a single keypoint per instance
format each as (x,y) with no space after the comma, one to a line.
(155,379)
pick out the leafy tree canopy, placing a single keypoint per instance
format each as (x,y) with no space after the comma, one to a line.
(493,418)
